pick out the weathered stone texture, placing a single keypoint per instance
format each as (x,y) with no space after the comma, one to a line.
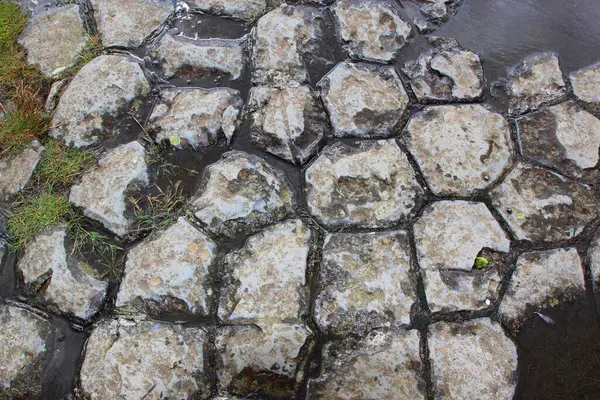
(16,170)
(247,10)
(586,84)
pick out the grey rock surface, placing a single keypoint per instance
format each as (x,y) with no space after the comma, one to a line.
(438,10)
(16,170)
(242,193)
(169,272)
(188,58)
(197,117)
(372,30)
(382,365)
(54,38)
(266,280)
(363,100)
(564,137)
(461,149)
(449,236)
(101,92)
(102,191)
(154,360)
(52,274)
(127,23)
(594,257)
(365,282)
(540,276)
(287,122)
(535,82)
(248,10)
(542,206)
(54,95)
(586,83)
(370,185)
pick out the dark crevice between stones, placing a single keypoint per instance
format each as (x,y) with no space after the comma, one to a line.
(426,363)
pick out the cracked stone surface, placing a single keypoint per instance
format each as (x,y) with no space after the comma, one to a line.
(54,38)
(266,279)
(446,72)
(53,275)
(383,365)
(438,10)
(372,30)
(449,236)
(189,58)
(586,83)
(461,149)
(363,100)
(16,170)
(540,276)
(287,122)
(370,185)
(541,206)
(127,23)
(535,82)
(169,272)
(263,360)
(101,92)
(102,191)
(366,282)
(247,10)
(198,117)
(477,348)
(148,359)
(242,193)
(564,137)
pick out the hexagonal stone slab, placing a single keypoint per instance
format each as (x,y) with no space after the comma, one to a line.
(260,360)
(372,30)
(365,282)
(148,359)
(449,237)
(52,274)
(266,279)
(461,149)
(248,10)
(541,206)
(445,73)
(16,170)
(127,23)
(101,92)
(102,191)
(363,100)
(383,365)
(371,185)
(54,38)
(535,82)
(564,137)
(586,83)
(168,273)
(288,122)
(539,277)
(197,117)
(472,360)
(242,193)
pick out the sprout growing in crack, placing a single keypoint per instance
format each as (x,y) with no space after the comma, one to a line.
(481,262)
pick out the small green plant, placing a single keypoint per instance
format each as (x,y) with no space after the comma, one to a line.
(481,262)
(553,302)
(157,212)
(61,165)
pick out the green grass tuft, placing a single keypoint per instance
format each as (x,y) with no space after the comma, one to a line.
(61,165)
(157,212)
(12,23)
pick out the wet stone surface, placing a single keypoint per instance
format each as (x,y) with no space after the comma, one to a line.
(16,170)
(248,10)
(594,257)
(586,84)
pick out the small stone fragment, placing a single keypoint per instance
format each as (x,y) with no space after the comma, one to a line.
(564,137)
(461,149)
(262,361)
(363,100)
(365,282)
(127,23)
(438,10)
(371,185)
(59,278)
(197,116)
(472,360)
(539,276)
(586,84)
(101,92)
(383,365)
(145,360)
(594,256)
(188,58)
(242,193)
(102,191)
(449,237)
(54,38)
(54,95)
(373,30)
(169,272)
(16,170)
(542,206)
(288,122)
(535,82)
(265,280)
(247,10)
